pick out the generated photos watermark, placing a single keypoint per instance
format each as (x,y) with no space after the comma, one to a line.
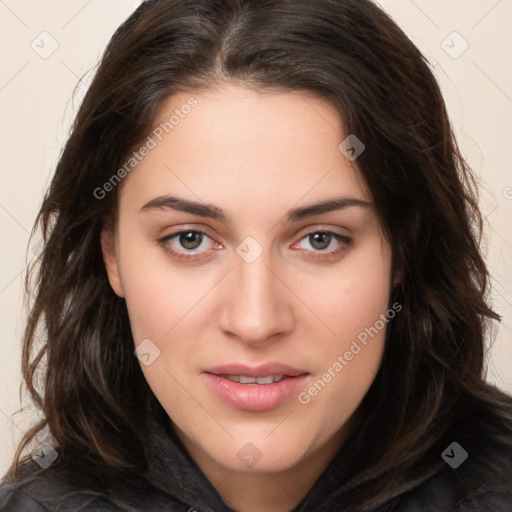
(150,143)
(454,455)
(356,347)
(147,352)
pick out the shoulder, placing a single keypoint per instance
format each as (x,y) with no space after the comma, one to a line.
(12,499)
(61,487)
(446,493)
(475,459)
(38,490)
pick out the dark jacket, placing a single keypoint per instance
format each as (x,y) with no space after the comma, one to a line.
(173,482)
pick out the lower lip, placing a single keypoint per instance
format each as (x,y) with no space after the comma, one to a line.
(254,397)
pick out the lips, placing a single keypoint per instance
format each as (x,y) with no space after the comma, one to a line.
(243,379)
(253,388)
(263,370)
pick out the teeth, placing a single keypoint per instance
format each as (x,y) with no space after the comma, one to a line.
(242,379)
(234,378)
(265,380)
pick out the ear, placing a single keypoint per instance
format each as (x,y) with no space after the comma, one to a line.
(110,258)
(398,277)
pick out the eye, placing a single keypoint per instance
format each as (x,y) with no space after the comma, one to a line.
(321,241)
(186,241)
(190,244)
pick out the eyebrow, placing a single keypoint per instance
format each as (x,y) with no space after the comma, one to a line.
(214,212)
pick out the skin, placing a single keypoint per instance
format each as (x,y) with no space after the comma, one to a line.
(256,156)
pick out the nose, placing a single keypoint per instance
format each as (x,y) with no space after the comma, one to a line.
(257,303)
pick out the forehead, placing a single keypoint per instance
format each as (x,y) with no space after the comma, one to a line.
(234,142)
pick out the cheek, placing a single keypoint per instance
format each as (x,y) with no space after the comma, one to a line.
(158,293)
(151,306)
(353,298)
(164,306)
(353,305)
(157,303)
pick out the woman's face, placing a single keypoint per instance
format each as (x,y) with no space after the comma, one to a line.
(262,283)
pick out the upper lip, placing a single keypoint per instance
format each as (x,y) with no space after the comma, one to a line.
(262,370)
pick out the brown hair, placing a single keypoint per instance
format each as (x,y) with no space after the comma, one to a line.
(350,53)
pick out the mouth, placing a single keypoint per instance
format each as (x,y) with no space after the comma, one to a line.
(244,379)
(258,388)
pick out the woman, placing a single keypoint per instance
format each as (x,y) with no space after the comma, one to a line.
(261,286)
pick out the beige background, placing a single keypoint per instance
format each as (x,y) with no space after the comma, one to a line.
(40,90)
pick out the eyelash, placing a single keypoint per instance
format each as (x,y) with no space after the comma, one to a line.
(345,243)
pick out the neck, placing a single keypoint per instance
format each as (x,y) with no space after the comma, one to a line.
(279,491)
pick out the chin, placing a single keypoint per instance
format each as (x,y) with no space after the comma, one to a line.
(257,455)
